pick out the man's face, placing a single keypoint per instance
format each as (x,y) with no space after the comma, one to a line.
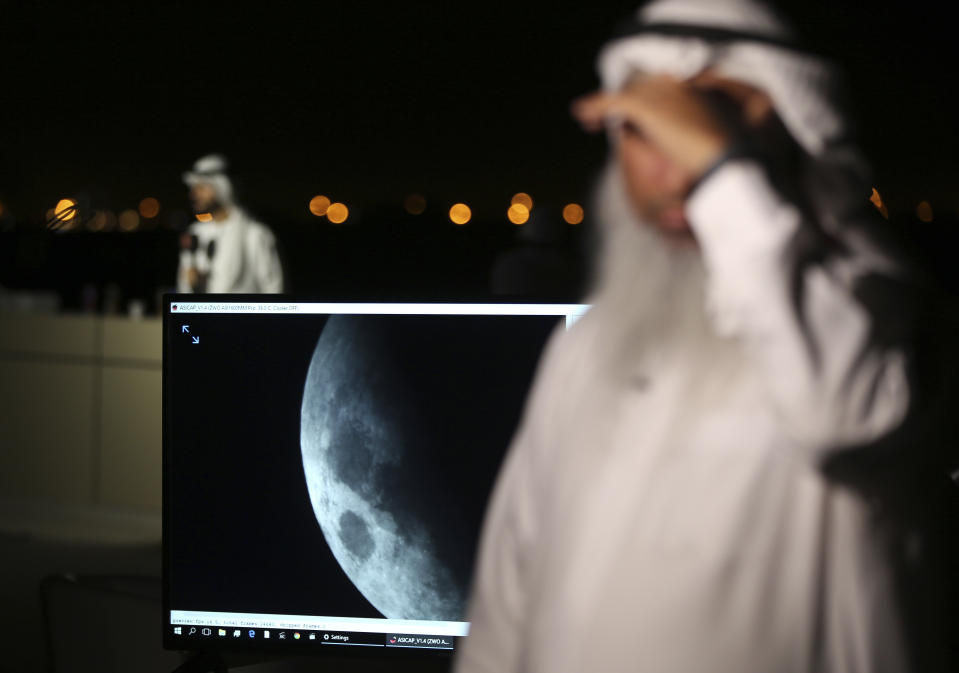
(656,186)
(203,198)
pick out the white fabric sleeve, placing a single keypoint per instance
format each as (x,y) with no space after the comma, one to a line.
(801,323)
(265,261)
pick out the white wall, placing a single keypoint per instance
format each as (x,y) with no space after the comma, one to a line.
(80,410)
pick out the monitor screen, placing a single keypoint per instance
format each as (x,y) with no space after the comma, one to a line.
(327,466)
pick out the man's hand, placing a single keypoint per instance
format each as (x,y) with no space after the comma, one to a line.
(673,115)
(193,278)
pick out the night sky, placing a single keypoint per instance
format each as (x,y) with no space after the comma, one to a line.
(367,102)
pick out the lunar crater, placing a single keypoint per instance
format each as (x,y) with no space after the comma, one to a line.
(353,465)
(356,535)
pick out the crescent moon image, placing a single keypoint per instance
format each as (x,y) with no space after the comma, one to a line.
(362,457)
(403,426)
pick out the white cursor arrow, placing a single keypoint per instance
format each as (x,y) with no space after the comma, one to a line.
(186,329)
(196,340)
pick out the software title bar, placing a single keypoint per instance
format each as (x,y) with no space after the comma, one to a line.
(378,308)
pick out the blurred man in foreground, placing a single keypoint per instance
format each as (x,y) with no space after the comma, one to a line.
(225,250)
(667,505)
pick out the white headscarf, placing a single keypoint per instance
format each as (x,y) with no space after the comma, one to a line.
(746,41)
(652,290)
(212,170)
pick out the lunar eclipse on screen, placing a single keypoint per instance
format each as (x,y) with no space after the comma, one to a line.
(402,431)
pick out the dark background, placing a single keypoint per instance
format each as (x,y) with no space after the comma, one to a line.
(242,536)
(109,102)
(241,532)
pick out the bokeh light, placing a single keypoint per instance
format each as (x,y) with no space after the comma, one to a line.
(573,213)
(337,213)
(129,220)
(204,217)
(924,211)
(877,201)
(523,199)
(319,204)
(149,208)
(415,204)
(518,214)
(102,220)
(98,222)
(460,213)
(65,212)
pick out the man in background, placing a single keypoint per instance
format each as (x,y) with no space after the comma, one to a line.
(225,250)
(696,482)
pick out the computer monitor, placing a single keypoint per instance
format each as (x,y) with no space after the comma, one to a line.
(327,466)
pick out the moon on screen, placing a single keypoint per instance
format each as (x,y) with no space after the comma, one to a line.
(360,454)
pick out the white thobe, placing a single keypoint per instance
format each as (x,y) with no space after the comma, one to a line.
(244,258)
(625,534)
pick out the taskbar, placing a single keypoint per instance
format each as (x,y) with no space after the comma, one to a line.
(202,637)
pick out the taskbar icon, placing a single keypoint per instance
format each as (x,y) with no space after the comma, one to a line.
(245,633)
